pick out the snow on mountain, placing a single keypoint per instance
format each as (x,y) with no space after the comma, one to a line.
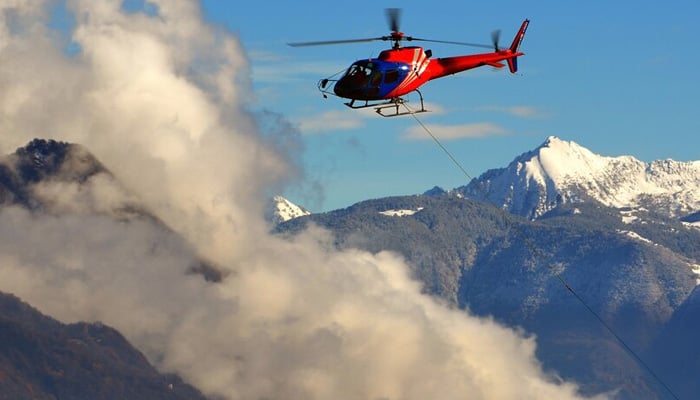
(696,271)
(636,236)
(281,210)
(561,171)
(400,213)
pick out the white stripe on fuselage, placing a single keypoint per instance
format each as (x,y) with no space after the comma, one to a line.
(418,65)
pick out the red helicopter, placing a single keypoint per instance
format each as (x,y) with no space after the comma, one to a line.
(381,82)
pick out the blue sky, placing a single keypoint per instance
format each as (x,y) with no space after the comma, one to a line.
(615,78)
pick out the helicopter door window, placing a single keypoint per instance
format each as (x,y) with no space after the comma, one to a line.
(376,78)
(391,76)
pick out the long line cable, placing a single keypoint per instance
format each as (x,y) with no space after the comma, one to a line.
(539,253)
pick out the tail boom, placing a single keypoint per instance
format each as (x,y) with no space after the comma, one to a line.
(452,65)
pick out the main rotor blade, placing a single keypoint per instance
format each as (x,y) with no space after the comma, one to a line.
(393,15)
(486,46)
(326,42)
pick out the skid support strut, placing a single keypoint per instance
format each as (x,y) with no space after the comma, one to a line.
(393,105)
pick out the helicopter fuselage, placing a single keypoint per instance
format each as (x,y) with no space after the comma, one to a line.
(397,72)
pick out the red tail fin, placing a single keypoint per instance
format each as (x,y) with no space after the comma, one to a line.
(515,46)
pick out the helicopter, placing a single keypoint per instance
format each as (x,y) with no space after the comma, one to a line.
(383,82)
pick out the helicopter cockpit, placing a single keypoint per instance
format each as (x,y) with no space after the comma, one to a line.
(365,79)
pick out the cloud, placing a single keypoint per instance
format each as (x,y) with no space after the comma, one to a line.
(160,100)
(331,121)
(454,132)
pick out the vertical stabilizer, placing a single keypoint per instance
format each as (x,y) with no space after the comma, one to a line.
(515,46)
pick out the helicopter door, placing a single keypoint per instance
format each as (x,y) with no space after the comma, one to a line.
(375,81)
(391,76)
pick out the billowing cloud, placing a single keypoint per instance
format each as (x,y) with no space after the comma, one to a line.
(454,132)
(160,100)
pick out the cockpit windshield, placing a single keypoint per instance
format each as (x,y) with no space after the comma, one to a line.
(360,70)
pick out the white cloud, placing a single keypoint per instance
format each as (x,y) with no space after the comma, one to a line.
(159,100)
(454,132)
(342,119)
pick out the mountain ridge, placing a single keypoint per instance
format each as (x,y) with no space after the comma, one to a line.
(559,172)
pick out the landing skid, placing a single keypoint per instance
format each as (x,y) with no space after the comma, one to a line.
(392,104)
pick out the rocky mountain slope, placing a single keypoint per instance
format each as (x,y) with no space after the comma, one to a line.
(41,358)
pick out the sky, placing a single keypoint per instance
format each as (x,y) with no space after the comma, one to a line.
(617,79)
(162,98)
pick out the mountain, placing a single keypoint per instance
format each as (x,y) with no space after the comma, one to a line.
(561,172)
(575,231)
(56,177)
(51,177)
(43,160)
(475,257)
(280,210)
(41,358)
(682,330)
(534,264)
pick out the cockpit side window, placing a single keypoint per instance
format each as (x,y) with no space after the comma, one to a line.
(376,78)
(391,76)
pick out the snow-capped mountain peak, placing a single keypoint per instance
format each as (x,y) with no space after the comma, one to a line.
(281,210)
(562,171)
(556,159)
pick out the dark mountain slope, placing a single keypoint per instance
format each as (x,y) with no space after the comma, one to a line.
(41,358)
(677,349)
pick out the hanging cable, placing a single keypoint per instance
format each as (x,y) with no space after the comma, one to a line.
(539,253)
